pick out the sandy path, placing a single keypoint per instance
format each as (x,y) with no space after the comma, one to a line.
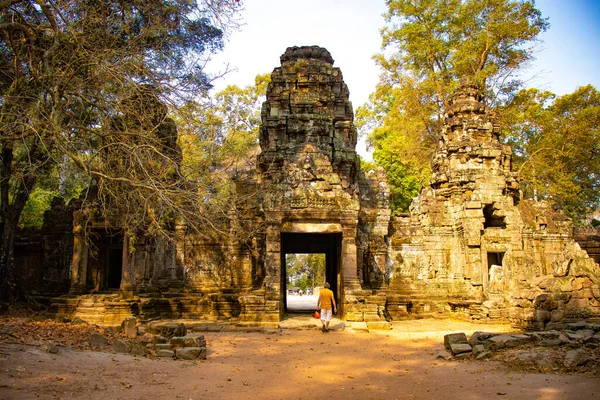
(293,364)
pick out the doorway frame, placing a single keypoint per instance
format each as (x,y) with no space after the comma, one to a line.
(328,243)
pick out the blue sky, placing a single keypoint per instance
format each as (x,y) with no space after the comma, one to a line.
(568,57)
(570,52)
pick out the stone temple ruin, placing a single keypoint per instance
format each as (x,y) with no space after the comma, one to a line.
(469,248)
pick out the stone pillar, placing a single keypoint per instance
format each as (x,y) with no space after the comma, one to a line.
(180,231)
(127,275)
(349,262)
(80,254)
(273,266)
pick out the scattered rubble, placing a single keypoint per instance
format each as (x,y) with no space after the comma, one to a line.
(574,349)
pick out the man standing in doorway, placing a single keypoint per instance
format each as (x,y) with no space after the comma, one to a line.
(325,303)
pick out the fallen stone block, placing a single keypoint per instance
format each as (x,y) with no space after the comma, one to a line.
(162,346)
(444,355)
(98,340)
(185,341)
(546,335)
(501,341)
(575,335)
(190,353)
(479,337)
(577,357)
(579,325)
(478,348)
(121,347)
(586,333)
(592,339)
(165,353)
(455,338)
(521,339)
(483,355)
(540,359)
(167,329)
(460,348)
(207,328)
(200,341)
(138,349)
(157,339)
(129,327)
(555,325)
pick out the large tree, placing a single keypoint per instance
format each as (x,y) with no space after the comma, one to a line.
(85,82)
(556,144)
(428,46)
(219,141)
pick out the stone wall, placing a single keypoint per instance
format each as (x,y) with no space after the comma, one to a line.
(44,256)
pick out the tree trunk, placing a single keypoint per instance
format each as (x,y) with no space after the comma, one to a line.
(12,288)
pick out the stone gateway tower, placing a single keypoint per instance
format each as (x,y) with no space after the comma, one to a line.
(309,169)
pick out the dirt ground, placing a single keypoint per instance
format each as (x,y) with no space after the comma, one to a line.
(287,364)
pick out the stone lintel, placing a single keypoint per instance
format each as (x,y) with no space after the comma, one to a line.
(309,227)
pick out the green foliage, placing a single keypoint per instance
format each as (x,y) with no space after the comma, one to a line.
(428,47)
(219,142)
(557,147)
(33,212)
(306,270)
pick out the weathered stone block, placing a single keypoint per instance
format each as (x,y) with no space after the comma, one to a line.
(578,325)
(479,337)
(167,329)
(543,316)
(138,349)
(164,353)
(477,349)
(121,347)
(162,346)
(129,327)
(185,341)
(592,339)
(577,357)
(98,340)
(455,338)
(460,348)
(501,341)
(190,353)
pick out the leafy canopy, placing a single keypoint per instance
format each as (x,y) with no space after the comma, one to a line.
(428,46)
(556,142)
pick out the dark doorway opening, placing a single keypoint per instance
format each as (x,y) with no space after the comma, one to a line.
(115,268)
(328,244)
(111,260)
(495,271)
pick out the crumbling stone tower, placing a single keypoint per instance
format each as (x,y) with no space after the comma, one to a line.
(470,248)
(309,168)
